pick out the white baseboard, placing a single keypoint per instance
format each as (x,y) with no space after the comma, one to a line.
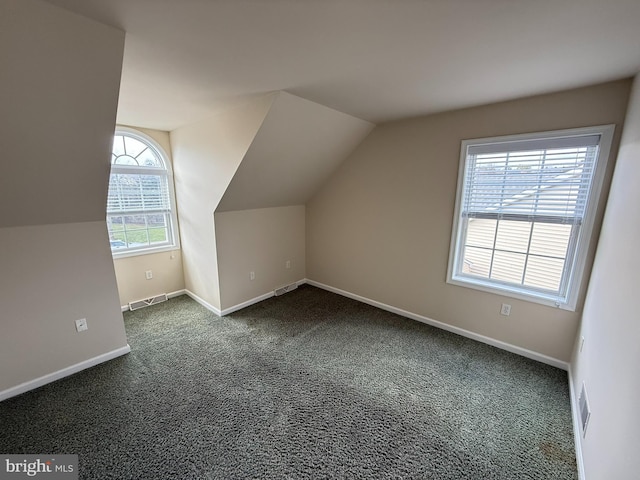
(450,328)
(65,372)
(177,293)
(248,303)
(577,436)
(204,303)
(257,299)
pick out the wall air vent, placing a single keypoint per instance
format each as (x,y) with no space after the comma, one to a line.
(285,289)
(147,301)
(585,410)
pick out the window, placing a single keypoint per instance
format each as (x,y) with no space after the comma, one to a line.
(524,213)
(140,205)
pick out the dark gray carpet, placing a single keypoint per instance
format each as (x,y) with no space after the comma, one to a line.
(307,385)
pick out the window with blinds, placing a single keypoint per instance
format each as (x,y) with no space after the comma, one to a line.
(524,213)
(140,212)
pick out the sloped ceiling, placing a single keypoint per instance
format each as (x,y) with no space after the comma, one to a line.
(56,132)
(375,59)
(299,144)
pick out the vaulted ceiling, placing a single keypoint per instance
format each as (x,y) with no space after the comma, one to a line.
(377,60)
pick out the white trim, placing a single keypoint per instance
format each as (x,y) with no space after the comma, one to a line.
(450,328)
(257,299)
(577,437)
(65,372)
(204,303)
(581,247)
(248,303)
(177,293)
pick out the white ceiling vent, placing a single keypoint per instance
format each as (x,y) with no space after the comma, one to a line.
(285,289)
(147,301)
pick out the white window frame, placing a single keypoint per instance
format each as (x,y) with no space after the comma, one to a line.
(578,256)
(173,231)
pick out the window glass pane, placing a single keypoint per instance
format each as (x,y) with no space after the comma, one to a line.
(148,159)
(544,273)
(139,204)
(136,230)
(133,147)
(508,267)
(118,145)
(477,261)
(550,239)
(481,232)
(524,211)
(513,236)
(158,228)
(125,160)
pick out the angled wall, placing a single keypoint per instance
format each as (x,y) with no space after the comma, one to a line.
(381,226)
(56,135)
(206,155)
(299,144)
(608,361)
(260,221)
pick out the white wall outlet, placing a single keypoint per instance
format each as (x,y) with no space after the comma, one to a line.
(581,343)
(252,275)
(81,325)
(287,264)
(148,274)
(505,309)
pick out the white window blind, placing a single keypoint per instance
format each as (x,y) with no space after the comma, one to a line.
(524,212)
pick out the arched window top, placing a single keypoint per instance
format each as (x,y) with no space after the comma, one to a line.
(132,150)
(141,214)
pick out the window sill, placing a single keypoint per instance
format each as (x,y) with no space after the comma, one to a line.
(143,251)
(513,292)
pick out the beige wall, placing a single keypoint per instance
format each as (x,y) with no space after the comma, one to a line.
(299,144)
(206,155)
(609,360)
(381,227)
(56,132)
(259,241)
(56,136)
(52,276)
(166,266)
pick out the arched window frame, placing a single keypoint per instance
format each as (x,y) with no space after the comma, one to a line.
(118,236)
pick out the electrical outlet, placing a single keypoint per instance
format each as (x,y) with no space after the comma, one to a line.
(81,325)
(505,310)
(252,275)
(287,264)
(148,274)
(581,343)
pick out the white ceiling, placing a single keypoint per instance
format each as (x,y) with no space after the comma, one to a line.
(377,60)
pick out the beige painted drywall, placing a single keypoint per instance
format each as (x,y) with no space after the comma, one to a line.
(206,155)
(167,276)
(299,144)
(55,146)
(51,276)
(381,226)
(259,241)
(609,360)
(166,267)
(56,133)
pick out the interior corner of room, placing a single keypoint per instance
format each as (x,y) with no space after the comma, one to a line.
(275,189)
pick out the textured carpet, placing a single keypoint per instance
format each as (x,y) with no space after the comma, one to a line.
(307,385)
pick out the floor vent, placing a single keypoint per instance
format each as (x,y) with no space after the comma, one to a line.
(285,289)
(147,301)
(585,411)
